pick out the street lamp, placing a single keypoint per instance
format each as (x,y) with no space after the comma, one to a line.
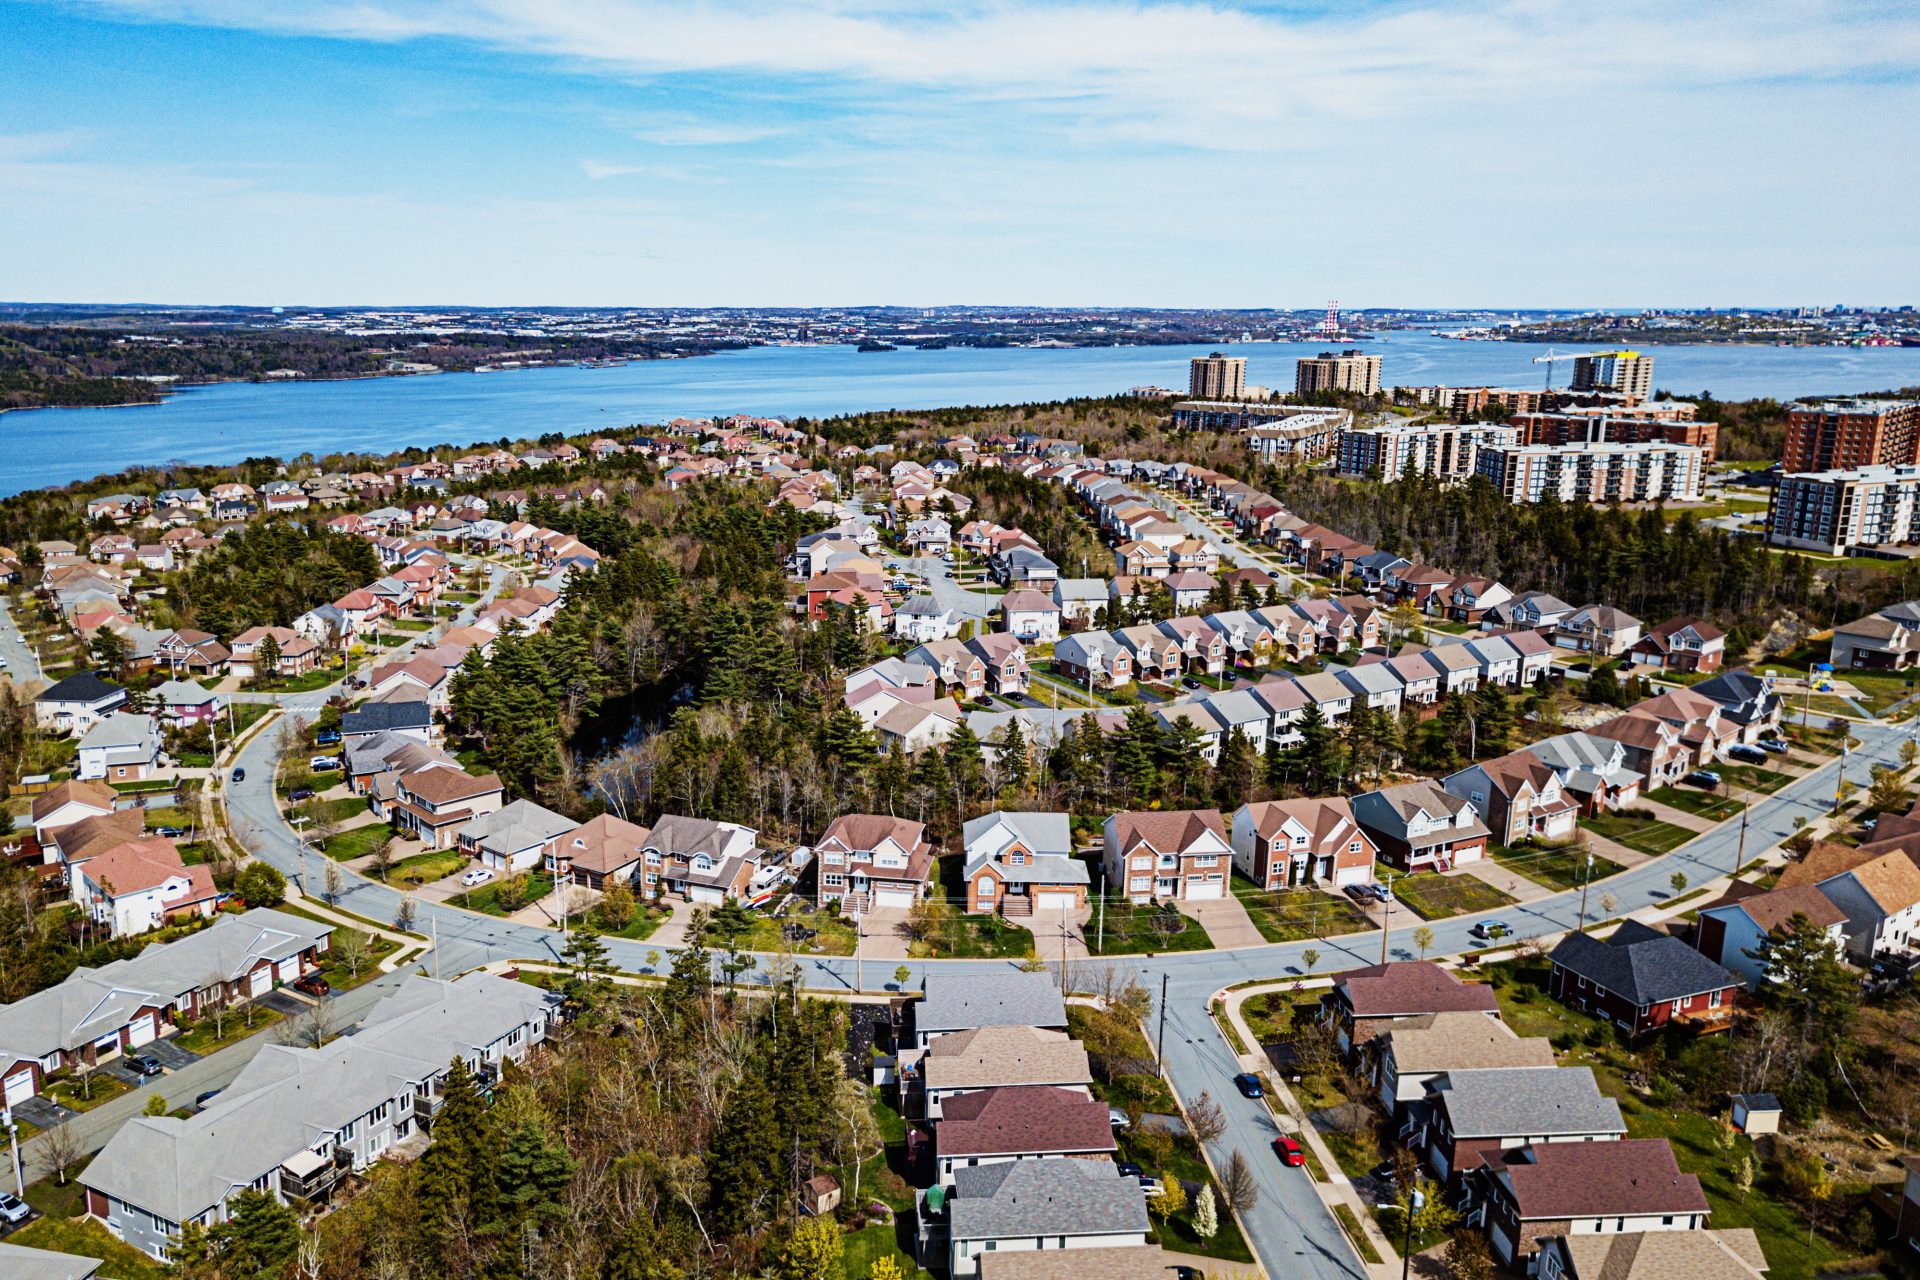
(1416,1201)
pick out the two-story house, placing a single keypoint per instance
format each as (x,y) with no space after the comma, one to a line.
(1053,1203)
(873,860)
(1280,844)
(1519,797)
(1731,932)
(961,672)
(1179,854)
(1405,1057)
(1566,1189)
(1094,658)
(435,801)
(1376,999)
(1019,1122)
(1467,1115)
(1421,826)
(1680,644)
(1599,629)
(702,860)
(1018,863)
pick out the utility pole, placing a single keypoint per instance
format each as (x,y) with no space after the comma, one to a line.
(13,1137)
(1386,924)
(1840,778)
(1160,1049)
(1102,910)
(1740,852)
(859,932)
(1584,882)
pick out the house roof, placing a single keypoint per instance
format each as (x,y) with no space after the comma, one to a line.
(1642,965)
(97,795)
(961,1001)
(1458,1041)
(1776,908)
(83,687)
(1891,880)
(1406,987)
(1045,1197)
(18,1262)
(1562,1180)
(440,785)
(136,866)
(1823,860)
(604,844)
(1169,832)
(1729,1254)
(1023,1119)
(1327,820)
(1043,833)
(1124,1262)
(378,717)
(1027,601)
(1516,1100)
(520,825)
(1006,1055)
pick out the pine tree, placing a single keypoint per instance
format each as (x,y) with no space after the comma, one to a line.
(636,1255)
(457,1174)
(534,1173)
(1136,754)
(587,989)
(266,659)
(260,1235)
(1234,777)
(892,778)
(743,1159)
(1015,766)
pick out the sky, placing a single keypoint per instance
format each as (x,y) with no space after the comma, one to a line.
(1060,152)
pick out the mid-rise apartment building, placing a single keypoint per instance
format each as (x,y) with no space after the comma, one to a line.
(1840,435)
(1596,472)
(1626,373)
(1217,377)
(1669,422)
(1447,451)
(1471,402)
(1352,371)
(1832,511)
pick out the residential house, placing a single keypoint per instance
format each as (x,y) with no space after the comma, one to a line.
(1157,656)
(1179,854)
(1380,998)
(1238,710)
(924,619)
(1016,1123)
(1519,796)
(1747,703)
(1375,683)
(18,1262)
(1097,659)
(1327,691)
(66,803)
(1281,844)
(1421,826)
(1537,611)
(194,652)
(522,836)
(701,860)
(1080,599)
(139,885)
(1885,641)
(918,727)
(1680,644)
(998,1056)
(1468,599)
(298,654)
(395,713)
(1640,979)
(1599,629)
(1695,718)
(1591,769)
(183,702)
(960,670)
(1882,900)
(1468,1115)
(420,676)
(1731,932)
(1455,666)
(435,802)
(1249,641)
(1019,862)
(1191,589)
(77,703)
(954,1001)
(124,747)
(1652,746)
(1052,1203)
(1005,660)
(1408,1055)
(871,860)
(1732,1254)
(1202,648)
(1549,1189)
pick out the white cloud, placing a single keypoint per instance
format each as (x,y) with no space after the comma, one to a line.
(600,170)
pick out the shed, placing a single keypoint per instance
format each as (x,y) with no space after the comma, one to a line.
(820,1195)
(1756,1113)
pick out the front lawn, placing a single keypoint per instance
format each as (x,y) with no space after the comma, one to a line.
(1181,1159)
(84,1236)
(69,1092)
(425,868)
(1751,777)
(1127,930)
(1561,868)
(1705,804)
(336,972)
(305,682)
(830,934)
(1288,915)
(486,898)
(1125,1078)
(356,843)
(202,1040)
(1434,896)
(1647,834)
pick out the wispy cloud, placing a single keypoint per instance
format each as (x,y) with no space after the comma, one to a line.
(600,170)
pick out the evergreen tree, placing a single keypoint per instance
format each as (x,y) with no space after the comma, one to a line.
(892,779)
(743,1158)
(1234,777)
(266,658)
(457,1172)
(637,1255)
(1180,756)
(1136,754)
(534,1173)
(1015,766)
(588,989)
(260,1235)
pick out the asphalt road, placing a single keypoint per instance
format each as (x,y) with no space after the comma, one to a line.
(947,593)
(22,665)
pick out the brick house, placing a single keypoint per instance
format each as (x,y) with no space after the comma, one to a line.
(1182,854)
(1279,844)
(1640,979)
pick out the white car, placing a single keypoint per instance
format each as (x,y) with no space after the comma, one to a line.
(323,764)
(479,875)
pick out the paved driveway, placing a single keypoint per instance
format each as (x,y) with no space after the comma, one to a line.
(1226,922)
(42,1112)
(171,1055)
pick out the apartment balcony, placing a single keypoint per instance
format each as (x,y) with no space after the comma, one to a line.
(307,1176)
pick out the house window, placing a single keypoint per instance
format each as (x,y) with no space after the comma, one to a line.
(833,881)
(985,888)
(1018,859)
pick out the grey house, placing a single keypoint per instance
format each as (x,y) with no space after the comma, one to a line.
(1055,1203)
(296,1121)
(962,1002)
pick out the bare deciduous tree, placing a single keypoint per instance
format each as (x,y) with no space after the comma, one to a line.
(311,1027)
(353,950)
(1238,1185)
(62,1149)
(1205,1120)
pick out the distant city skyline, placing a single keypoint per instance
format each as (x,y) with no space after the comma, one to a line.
(624,152)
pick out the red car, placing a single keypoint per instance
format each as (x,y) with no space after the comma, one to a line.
(1289,1151)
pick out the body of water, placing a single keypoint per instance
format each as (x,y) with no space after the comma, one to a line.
(227,422)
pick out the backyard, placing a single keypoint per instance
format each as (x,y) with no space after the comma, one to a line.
(1436,896)
(1288,915)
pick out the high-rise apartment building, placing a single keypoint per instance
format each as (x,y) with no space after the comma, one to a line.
(1833,511)
(1625,373)
(1596,472)
(1217,377)
(1840,435)
(1350,371)
(1446,451)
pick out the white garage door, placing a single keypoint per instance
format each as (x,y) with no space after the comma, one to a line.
(289,969)
(706,894)
(260,981)
(140,1031)
(1352,875)
(1201,891)
(1054,901)
(902,898)
(19,1088)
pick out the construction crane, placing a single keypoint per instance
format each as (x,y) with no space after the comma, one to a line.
(1550,359)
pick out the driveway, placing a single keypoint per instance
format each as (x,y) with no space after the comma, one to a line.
(1226,922)
(42,1112)
(171,1055)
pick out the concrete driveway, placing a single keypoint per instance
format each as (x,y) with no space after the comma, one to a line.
(1226,922)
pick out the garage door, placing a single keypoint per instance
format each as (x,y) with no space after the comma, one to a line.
(260,981)
(706,894)
(1054,901)
(1352,875)
(1200,891)
(140,1030)
(289,969)
(19,1088)
(902,898)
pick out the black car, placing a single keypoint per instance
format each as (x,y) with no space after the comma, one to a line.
(144,1064)
(1386,1171)
(1128,1169)
(1746,754)
(1702,778)
(1249,1085)
(171,833)
(200,1101)
(238,775)
(300,793)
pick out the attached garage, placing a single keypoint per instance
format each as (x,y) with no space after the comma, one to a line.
(1055,901)
(901,898)
(140,1031)
(1199,890)
(260,981)
(288,970)
(710,895)
(1352,875)
(19,1088)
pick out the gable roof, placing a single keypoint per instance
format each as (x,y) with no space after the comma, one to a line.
(1728,1254)
(1520,1100)
(1168,832)
(1005,1055)
(1411,986)
(1776,908)
(1563,1180)
(1642,965)
(82,686)
(1462,1041)
(1020,1119)
(1056,1196)
(962,1001)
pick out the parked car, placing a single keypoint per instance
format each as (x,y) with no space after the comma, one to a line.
(13,1209)
(312,984)
(144,1064)
(238,775)
(1746,754)
(323,764)
(1249,1085)
(1386,1171)
(1489,930)
(1191,683)
(1289,1152)
(1702,778)
(326,737)
(1775,745)
(1118,1118)
(171,833)
(300,793)
(1377,891)
(479,875)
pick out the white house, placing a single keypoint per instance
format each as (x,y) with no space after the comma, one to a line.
(124,747)
(1030,616)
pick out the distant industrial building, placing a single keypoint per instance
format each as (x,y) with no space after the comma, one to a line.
(1596,473)
(1447,451)
(1838,511)
(1217,377)
(1840,435)
(1350,371)
(1624,373)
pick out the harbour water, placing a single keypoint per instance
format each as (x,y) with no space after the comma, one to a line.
(231,421)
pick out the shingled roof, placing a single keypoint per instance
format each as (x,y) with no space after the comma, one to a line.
(1640,965)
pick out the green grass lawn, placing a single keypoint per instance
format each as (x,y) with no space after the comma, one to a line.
(411,624)
(305,682)
(1435,897)
(834,935)
(1648,835)
(1127,930)
(202,1039)
(638,929)
(868,1245)
(68,1091)
(169,816)
(1132,1087)
(246,715)
(356,843)
(1750,777)
(486,898)
(1706,804)
(1563,868)
(1287,915)
(425,868)
(338,976)
(118,1260)
(989,937)
(1185,1163)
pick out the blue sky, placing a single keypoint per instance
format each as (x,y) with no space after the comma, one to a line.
(1520,152)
